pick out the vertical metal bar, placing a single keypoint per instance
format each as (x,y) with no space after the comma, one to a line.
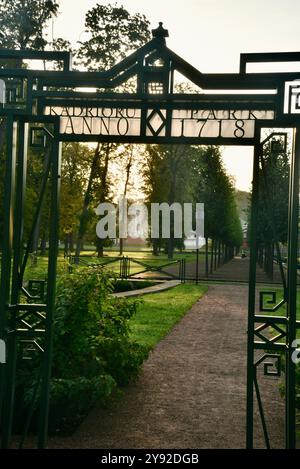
(206,257)
(261,412)
(197,265)
(15,284)
(251,293)
(51,289)
(292,291)
(11,136)
(19,210)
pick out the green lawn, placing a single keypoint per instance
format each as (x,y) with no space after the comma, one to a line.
(159,312)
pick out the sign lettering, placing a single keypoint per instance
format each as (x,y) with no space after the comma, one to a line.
(191,123)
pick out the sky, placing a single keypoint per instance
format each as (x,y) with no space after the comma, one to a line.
(210,34)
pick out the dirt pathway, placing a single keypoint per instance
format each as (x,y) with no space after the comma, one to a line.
(191,393)
(236,270)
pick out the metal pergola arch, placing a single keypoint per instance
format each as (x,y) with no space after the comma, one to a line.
(52,103)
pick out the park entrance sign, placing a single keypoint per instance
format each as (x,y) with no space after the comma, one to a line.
(182,123)
(139,100)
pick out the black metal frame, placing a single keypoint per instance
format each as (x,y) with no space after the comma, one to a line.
(31,91)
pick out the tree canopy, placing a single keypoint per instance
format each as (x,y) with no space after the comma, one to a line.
(22,23)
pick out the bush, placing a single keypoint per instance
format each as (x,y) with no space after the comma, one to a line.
(297,385)
(92,350)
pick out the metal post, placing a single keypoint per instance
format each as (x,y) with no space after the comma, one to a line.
(251,294)
(16,283)
(51,288)
(11,137)
(292,291)
(197,265)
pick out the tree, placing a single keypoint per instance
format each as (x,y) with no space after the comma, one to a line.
(125,162)
(167,179)
(22,22)
(214,188)
(114,32)
(272,220)
(75,164)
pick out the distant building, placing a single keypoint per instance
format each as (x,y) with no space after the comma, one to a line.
(191,241)
(245,233)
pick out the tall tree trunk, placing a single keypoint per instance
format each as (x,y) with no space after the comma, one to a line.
(171,246)
(100,247)
(128,169)
(71,241)
(206,257)
(121,246)
(219,253)
(87,200)
(215,255)
(35,242)
(66,242)
(103,179)
(172,195)
(43,245)
(212,255)
(155,247)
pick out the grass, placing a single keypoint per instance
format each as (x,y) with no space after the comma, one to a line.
(159,312)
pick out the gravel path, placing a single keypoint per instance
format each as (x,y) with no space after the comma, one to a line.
(237,270)
(191,392)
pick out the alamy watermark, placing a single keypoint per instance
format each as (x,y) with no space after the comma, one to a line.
(161,220)
(2,351)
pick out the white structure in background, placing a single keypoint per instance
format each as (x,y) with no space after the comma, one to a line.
(191,241)
(2,352)
(245,232)
(2,92)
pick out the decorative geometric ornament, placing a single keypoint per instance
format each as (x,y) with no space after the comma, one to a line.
(271,368)
(292,97)
(269,305)
(155,87)
(156,121)
(160,33)
(269,339)
(37,137)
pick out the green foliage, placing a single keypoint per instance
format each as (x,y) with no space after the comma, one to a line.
(93,353)
(75,165)
(167,175)
(22,22)
(71,399)
(186,173)
(215,189)
(297,386)
(273,192)
(273,196)
(113,33)
(91,329)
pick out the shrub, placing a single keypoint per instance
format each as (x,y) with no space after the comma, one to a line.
(297,385)
(92,352)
